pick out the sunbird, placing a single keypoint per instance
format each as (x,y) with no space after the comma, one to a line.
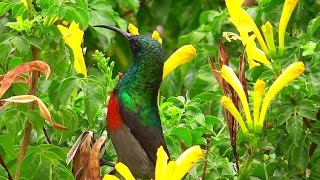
(133,120)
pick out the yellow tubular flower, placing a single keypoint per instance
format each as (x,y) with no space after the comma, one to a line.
(179,57)
(267,30)
(228,74)
(73,37)
(110,177)
(258,91)
(169,174)
(228,104)
(124,171)
(161,164)
(186,161)
(255,53)
(288,75)
(287,10)
(243,21)
(156,36)
(133,30)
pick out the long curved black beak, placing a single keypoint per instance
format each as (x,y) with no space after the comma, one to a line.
(119,31)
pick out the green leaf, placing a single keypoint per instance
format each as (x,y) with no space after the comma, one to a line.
(21,44)
(5,7)
(57,61)
(300,157)
(285,112)
(14,120)
(131,4)
(5,49)
(68,86)
(54,92)
(314,137)
(3,174)
(77,14)
(306,108)
(315,76)
(36,120)
(93,100)
(69,119)
(184,134)
(294,128)
(313,25)
(35,41)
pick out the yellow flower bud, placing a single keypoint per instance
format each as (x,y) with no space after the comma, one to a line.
(258,91)
(110,177)
(228,104)
(287,10)
(228,74)
(267,30)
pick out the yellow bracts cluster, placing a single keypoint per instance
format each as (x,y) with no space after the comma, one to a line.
(179,57)
(288,75)
(174,170)
(73,37)
(245,25)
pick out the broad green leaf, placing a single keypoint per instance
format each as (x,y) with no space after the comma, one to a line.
(31,165)
(67,87)
(69,119)
(21,44)
(313,25)
(6,142)
(131,4)
(19,10)
(294,128)
(300,157)
(5,49)
(36,120)
(315,76)
(314,137)
(5,7)
(58,61)
(77,14)
(3,174)
(306,108)
(315,171)
(54,92)
(183,134)
(61,172)
(35,41)
(14,120)
(285,112)
(93,100)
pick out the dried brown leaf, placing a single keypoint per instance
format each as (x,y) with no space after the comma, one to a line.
(16,72)
(222,55)
(94,163)
(85,153)
(44,112)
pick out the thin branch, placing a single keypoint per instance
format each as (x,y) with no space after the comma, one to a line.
(208,139)
(5,167)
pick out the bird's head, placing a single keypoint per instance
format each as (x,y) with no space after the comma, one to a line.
(143,47)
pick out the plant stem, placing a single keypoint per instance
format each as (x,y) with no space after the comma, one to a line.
(208,139)
(5,167)
(28,129)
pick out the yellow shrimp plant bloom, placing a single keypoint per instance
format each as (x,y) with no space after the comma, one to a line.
(174,170)
(288,75)
(73,37)
(179,57)
(245,25)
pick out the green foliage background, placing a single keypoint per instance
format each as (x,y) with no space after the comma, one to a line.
(190,97)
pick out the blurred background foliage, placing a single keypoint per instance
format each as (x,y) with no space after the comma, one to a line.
(189,97)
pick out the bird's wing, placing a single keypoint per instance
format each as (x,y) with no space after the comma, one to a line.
(145,126)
